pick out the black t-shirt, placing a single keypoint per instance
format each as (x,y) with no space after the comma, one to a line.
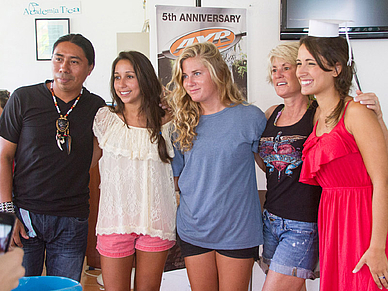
(281,149)
(46,179)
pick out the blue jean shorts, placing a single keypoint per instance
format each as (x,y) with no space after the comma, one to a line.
(290,246)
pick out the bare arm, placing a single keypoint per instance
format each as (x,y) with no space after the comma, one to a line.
(176,183)
(259,162)
(11,269)
(258,159)
(97,153)
(371,101)
(365,127)
(7,154)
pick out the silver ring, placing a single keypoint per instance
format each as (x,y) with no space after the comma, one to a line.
(382,277)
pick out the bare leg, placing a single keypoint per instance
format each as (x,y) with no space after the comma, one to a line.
(279,282)
(234,274)
(149,270)
(116,273)
(202,272)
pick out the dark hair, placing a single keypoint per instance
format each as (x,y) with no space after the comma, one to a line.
(329,52)
(151,91)
(82,42)
(4,96)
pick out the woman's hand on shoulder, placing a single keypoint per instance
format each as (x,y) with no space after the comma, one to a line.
(371,101)
(165,106)
(358,116)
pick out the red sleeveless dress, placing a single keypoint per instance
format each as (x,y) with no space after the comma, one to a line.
(334,162)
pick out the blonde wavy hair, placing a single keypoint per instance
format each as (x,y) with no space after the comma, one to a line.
(185,111)
(287,51)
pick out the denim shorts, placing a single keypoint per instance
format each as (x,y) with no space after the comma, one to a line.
(290,246)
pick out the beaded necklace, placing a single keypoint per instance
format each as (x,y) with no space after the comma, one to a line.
(62,124)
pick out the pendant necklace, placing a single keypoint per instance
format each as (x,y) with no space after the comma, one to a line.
(63,137)
(280,113)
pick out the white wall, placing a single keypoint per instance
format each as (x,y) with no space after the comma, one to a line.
(101,20)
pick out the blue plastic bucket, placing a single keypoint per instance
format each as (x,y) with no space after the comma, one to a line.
(48,283)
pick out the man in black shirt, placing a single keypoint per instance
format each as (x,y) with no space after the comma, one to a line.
(46,129)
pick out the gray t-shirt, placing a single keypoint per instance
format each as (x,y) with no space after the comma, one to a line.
(219,203)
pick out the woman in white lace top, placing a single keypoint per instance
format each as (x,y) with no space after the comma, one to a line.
(137,204)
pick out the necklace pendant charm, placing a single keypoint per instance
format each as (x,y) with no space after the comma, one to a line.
(68,144)
(60,140)
(63,137)
(62,125)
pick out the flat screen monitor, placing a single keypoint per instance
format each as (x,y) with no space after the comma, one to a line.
(369,18)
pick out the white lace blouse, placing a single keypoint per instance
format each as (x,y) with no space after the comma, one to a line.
(137,188)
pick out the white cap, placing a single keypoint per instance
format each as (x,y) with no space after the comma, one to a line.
(324,27)
(329,28)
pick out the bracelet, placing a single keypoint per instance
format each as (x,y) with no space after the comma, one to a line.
(7,207)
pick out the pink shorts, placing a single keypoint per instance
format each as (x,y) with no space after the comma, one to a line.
(124,245)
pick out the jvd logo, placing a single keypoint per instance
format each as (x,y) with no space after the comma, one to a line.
(221,37)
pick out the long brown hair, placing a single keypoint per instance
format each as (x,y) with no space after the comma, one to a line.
(151,91)
(333,51)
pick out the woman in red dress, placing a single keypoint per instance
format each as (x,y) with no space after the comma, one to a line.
(346,155)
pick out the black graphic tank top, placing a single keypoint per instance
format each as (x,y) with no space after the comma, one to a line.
(281,149)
